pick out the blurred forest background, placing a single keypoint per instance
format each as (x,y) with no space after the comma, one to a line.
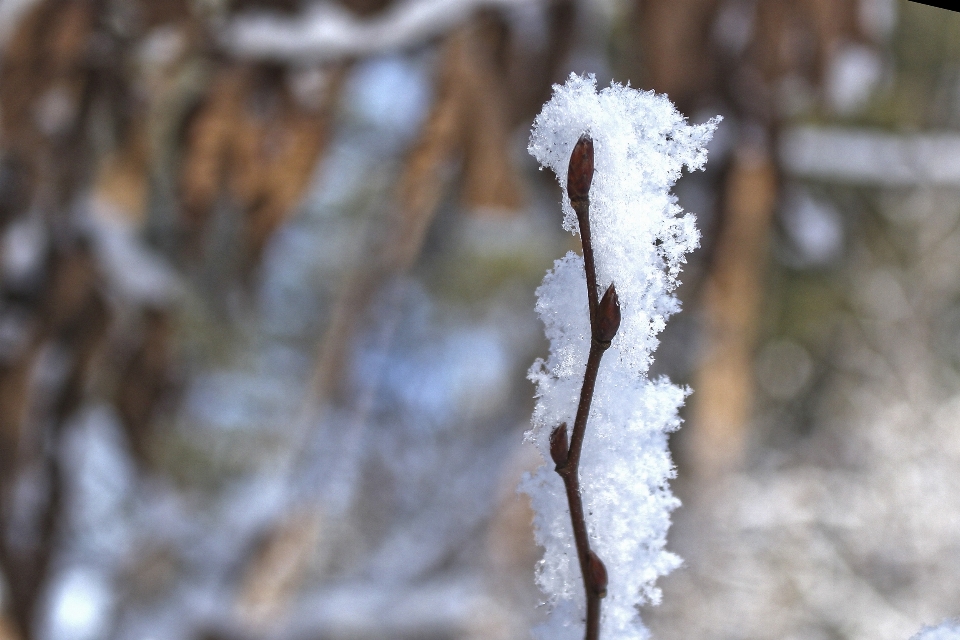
(266,308)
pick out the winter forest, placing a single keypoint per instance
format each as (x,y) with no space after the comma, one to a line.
(303,304)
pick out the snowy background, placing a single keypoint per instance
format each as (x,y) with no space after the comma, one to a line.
(267,276)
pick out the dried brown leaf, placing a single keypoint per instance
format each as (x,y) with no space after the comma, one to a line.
(255,143)
(122,180)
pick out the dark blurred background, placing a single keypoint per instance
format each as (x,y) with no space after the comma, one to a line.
(266,310)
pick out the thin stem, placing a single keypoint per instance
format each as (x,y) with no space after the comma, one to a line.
(571,482)
(570,472)
(583,219)
(579,180)
(593,617)
(583,408)
(604,322)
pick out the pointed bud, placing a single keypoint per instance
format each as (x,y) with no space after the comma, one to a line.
(580,171)
(608,316)
(597,574)
(559,446)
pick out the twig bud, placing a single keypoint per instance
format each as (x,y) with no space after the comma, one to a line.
(580,171)
(607,321)
(559,446)
(597,574)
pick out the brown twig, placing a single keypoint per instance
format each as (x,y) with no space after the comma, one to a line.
(604,323)
(579,178)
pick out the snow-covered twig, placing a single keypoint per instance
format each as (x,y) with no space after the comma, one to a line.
(615,474)
(328,32)
(604,323)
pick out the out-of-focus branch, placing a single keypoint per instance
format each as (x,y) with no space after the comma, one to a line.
(328,32)
(72,318)
(454,125)
(277,568)
(395,247)
(733,295)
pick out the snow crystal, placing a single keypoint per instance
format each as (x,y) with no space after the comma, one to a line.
(640,238)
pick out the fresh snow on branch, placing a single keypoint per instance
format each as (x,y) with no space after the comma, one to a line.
(640,239)
(330,32)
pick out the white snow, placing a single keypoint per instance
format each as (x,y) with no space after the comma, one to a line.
(852,76)
(329,32)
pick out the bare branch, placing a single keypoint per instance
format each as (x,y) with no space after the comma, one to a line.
(604,323)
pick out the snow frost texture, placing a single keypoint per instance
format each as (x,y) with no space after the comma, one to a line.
(640,238)
(948,630)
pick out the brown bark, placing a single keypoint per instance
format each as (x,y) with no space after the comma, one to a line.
(277,568)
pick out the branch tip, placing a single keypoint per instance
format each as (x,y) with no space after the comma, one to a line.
(580,172)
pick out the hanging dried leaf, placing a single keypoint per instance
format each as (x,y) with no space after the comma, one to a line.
(421,183)
(254,143)
(207,149)
(123,178)
(14,383)
(463,81)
